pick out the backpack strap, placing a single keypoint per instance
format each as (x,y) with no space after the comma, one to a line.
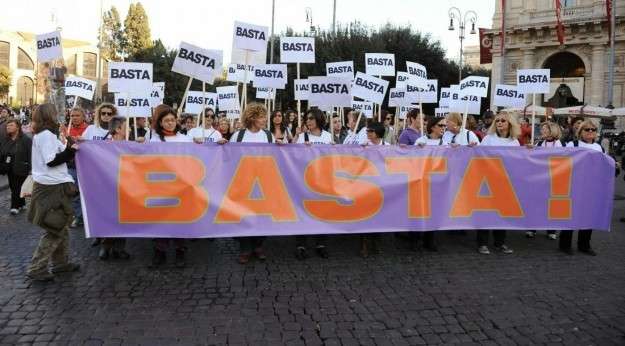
(468,137)
(306,138)
(240,135)
(440,141)
(269,137)
(575,143)
(540,143)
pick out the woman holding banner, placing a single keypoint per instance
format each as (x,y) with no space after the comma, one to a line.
(357,128)
(53,189)
(456,135)
(315,121)
(586,138)
(338,130)
(254,131)
(167,129)
(410,135)
(504,131)
(224,128)
(209,134)
(114,247)
(279,128)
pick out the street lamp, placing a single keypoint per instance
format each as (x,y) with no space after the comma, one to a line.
(471,16)
(24,95)
(309,19)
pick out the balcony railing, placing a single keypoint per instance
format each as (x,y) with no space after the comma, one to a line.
(569,14)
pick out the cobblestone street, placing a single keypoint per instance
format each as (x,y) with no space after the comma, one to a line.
(400,297)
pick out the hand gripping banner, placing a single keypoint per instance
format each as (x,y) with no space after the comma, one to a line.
(187,190)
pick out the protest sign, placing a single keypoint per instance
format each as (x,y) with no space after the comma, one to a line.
(508,96)
(80,87)
(441,112)
(329,91)
(233,114)
(341,69)
(157,94)
(49,47)
(533,81)
(297,50)
(401,79)
(194,104)
(369,88)
(397,97)
(474,86)
(199,63)
(365,107)
(132,106)
(270,75)
(236,73)
(403,110)
(302,89)
(418,74)
(130,77)
(249,36)
(228,98)
(380,64)
(469,104)
(427,94)
(265,93)
(445,96)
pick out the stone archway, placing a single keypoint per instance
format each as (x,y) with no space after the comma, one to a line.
(25,88)
(567,72)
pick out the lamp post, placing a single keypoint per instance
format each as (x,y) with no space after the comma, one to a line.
(470,16)
(24,95)
(309,20)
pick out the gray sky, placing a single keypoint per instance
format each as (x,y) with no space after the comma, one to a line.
(208,23)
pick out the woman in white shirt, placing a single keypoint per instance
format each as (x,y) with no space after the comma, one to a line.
(504,131)
(100,127)
(456,135)
(586,136)
(254,131)
(357,132)
(315,121)
(207,134)
(53,189)
(550,135)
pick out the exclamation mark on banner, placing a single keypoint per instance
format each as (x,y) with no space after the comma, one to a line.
(560,171)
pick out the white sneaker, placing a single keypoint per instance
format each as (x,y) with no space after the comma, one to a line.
(14,211)
(504,249)
(552,236)
(530,234)
(483,250)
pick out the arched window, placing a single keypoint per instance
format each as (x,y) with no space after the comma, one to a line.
(89,63)
(24,62)
(5,49)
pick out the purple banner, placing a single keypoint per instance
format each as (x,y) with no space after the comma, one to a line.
(189,190)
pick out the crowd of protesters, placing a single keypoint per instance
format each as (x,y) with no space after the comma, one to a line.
(48,154)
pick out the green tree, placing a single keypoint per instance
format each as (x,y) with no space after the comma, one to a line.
(5,80)
(137,34)
(111,35)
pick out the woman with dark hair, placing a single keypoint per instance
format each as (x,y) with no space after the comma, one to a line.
(291,121)
(167,129)
(410,135)
(15,152)
(279,128)
(357,128)
(53,189)
(315,121)
(338,130)
(207,134)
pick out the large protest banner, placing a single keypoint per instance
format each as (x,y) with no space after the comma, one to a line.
(186,190)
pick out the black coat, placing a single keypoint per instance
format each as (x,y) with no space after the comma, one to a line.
(20,151)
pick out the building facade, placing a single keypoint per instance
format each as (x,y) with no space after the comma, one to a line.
(579,67)
(28,79)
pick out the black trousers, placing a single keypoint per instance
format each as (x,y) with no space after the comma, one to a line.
(248,244)
(320,240)
(428,238)
(583,239)
(15,184)
(498,235)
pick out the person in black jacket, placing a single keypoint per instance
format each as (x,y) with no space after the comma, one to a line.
(15,152)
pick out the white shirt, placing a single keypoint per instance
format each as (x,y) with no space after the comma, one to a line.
(45,148)
(94,133)
(252,137)
(357,138)
(425,140)
(551,144)
(461,137)
(382,142)
(324,138)
(582,144)
(211,135)
(178,138)
(494,140)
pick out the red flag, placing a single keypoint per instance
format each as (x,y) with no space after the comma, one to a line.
(486,56)
(503,25)
(608,10)
(559,25)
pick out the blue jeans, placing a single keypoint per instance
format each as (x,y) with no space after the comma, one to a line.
(76,200)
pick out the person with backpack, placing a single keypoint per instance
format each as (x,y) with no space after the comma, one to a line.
(315,121)
(456,135)
(585,138)
(254,131)
(550,134)
(207,134)
(504,131)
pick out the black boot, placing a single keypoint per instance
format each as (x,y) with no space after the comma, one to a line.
(159,259)
(180,261)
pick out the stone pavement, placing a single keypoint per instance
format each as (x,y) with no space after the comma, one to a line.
(456,296)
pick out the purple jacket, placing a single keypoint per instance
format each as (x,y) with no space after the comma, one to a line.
(409,136)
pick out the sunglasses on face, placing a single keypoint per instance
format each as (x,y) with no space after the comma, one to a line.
(590,130)
(501,121)
(442,126)
(106,113)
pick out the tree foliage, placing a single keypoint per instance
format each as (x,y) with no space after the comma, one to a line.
(137,36)
(111,35)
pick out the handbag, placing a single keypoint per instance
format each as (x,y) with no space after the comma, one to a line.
(27,187)
(5,164)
